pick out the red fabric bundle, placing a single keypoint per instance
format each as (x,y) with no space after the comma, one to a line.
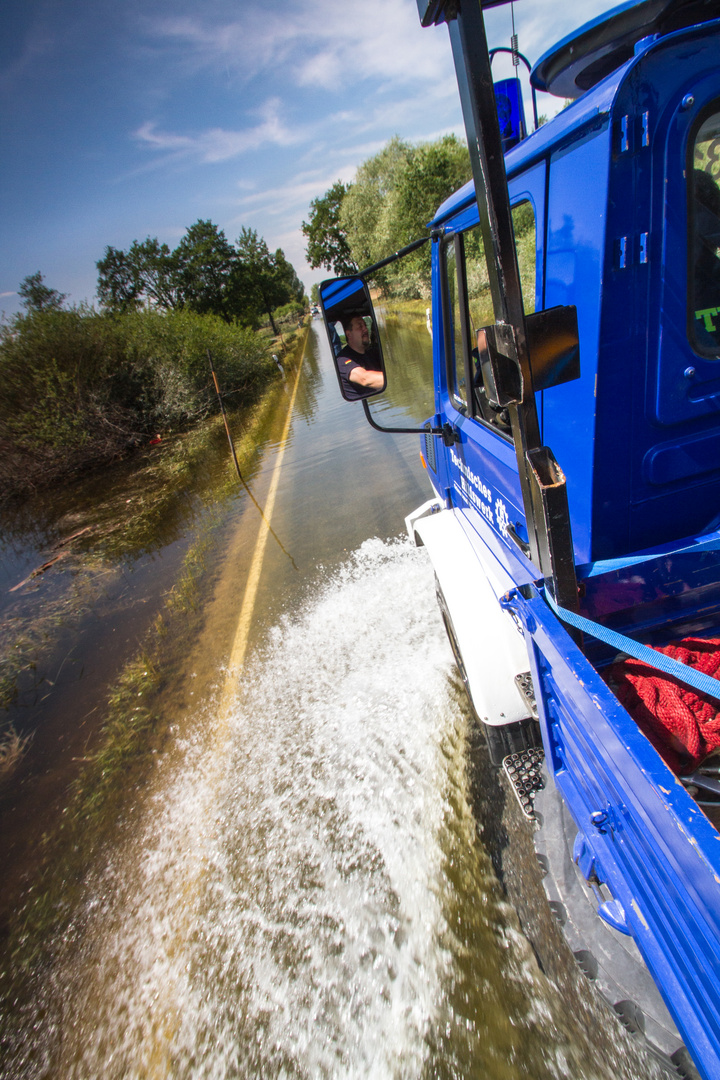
(682,724)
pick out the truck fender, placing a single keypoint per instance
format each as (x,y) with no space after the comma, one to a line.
(489,647)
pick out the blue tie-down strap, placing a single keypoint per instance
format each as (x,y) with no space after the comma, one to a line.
(674,668)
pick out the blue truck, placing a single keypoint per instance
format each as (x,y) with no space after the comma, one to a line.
(574,460)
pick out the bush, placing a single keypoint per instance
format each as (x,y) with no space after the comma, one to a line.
(289,312)
(79,387)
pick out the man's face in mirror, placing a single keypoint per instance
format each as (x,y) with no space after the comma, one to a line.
(357,334)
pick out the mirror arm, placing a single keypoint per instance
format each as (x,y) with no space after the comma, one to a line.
(449,435)
(369,270)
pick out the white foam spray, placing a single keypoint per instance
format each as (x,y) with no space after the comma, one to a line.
(285,917)
(306,894)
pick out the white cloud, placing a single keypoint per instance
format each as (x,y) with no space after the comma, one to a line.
(219,144)
(317,43)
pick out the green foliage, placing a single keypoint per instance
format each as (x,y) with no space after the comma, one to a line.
(367,212)
(39,297)
(204,271)
(268,280)
(394,196)
(327,242)
(204,274)
(79,387)
(292,312)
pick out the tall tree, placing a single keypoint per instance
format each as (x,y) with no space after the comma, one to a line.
(265,275)
(288,277)
(203,269)
(367,213)
(327,241)
(119,283)
(39,297)
(157,267)
(394,195)
(147,272)
(204,273)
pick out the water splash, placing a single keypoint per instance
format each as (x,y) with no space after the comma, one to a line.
(307,895)
(284,913)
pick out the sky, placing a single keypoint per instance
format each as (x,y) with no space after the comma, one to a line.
(122,119)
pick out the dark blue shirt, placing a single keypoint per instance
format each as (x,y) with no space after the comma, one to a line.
(347,361)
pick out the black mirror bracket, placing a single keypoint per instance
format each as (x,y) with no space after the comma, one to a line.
(449,434)
(447,431)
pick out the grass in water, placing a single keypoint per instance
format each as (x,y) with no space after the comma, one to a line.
(133,732)
(134,727)
(12,749)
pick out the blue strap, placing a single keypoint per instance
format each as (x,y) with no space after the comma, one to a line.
(677,670)
(606,566)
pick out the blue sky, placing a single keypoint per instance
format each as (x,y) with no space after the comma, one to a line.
(123,119)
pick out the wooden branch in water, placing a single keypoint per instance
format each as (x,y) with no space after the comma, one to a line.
(40,570)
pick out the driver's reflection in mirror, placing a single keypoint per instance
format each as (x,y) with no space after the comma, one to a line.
(359,362)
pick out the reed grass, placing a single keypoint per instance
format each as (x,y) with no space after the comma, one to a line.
(12,750)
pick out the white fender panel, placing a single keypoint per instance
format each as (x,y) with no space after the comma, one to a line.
(493,649)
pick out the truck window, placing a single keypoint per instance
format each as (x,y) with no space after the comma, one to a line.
(471,279)
(456,364)
(704,218)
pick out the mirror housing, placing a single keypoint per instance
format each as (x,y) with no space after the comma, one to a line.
(360,370)
(553,346)
(553,349)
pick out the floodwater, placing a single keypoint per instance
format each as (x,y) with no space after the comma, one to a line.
(309,885)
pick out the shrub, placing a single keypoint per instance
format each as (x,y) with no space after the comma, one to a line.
(79,387)
(289,312)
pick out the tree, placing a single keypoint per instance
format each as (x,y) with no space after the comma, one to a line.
(265,276)
(157,268)
(119,284)
(203,270)
(146,272)
(204,274)
(38,296)
(366,214)
(288,277)
(327,242)
(394,196)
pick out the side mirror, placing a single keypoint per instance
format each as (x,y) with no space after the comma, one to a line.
(553,349)
(352,332)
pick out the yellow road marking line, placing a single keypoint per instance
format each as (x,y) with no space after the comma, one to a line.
(242,634)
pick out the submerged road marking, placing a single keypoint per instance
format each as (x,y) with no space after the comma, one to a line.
(242,634)
(159,1057)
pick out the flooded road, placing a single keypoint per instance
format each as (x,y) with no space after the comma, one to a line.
(307,886)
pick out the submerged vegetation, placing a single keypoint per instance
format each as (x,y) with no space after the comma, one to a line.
(138,711)
(12,748)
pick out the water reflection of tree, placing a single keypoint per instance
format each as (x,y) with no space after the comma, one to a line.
(407,348)
(306,401)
